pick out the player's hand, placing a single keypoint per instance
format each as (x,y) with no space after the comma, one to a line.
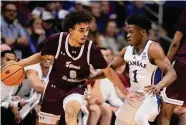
(16,113)
(152,89)
(16,98)
(23,102)
(88,80)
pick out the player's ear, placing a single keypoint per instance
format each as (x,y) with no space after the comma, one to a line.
(70,30)
(143,32)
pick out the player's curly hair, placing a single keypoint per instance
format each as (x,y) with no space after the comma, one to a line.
(139,20)
(76,17)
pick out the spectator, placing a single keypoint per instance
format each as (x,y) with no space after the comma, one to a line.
(101,19)
(136,7)
(122,37)
(48,23)
(108,39)
(35,34)
(23,16)
(9,109)
(11,30)
(36,81)
(93,34)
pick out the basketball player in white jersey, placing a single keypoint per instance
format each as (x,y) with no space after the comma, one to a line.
(143,56)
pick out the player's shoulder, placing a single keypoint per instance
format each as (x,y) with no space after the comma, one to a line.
(155,49)
(35,67)
(54,36)
(57,35)
(93,45)
(154,46)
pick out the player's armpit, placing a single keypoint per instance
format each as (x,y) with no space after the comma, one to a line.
(156,54)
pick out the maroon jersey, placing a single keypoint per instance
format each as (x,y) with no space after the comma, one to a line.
(181,26)
(71,62)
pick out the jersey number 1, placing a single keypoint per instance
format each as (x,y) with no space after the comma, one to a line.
(135,74)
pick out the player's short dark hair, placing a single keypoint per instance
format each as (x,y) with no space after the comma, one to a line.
(140,21)
(7,51)
(76,17)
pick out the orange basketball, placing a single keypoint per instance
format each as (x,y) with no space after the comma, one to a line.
(12,75)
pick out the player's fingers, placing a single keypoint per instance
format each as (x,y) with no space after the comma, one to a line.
(152,90)
(147,89)
(148,86)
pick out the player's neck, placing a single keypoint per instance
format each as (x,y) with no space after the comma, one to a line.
(73,42)
(141,46)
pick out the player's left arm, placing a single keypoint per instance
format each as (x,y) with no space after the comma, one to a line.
(157,56)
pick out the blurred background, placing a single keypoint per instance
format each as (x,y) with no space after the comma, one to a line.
(26,24)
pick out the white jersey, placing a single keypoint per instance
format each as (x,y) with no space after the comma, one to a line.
(24,90)
(140,69)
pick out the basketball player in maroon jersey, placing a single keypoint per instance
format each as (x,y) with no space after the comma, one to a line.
(73,54)
(175,95)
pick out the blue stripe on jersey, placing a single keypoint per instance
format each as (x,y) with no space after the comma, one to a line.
(157,76)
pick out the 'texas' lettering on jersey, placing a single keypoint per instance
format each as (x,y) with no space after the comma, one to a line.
(70,65)
(137,63)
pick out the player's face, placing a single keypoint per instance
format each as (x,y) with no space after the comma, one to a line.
(80,32)
(48,62)
(134,35)
(8,57)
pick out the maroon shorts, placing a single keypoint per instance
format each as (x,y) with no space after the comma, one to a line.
(176,92)
(52,102)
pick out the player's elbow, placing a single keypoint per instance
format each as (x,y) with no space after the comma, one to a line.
(39,88)
(107,71)
(175,44)
(174,75)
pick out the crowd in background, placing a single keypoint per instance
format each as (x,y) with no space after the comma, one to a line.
(26,24)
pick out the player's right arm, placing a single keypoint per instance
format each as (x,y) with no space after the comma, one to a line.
(50,49)
(34,59)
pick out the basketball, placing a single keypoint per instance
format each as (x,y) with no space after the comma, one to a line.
(12,74)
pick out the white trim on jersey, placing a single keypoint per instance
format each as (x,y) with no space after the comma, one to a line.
(48,118)
(59,45)
(169,100)
(67,50)
(88,53)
